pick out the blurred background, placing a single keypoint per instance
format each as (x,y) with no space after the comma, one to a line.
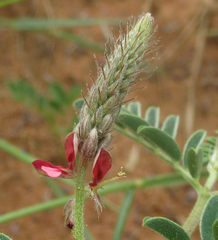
(47,51)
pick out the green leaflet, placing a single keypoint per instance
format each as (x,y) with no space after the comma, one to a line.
(169,229)
(161,140)
(209,149)
(124,110)
(135,108)
(209,216)
(170,125)
(194,141)
(195,162)
(78,104)
(131,121)
(215,230)
(152,116)
(4,237)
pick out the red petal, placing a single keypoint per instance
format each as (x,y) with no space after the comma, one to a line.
(47,169)
(101,166)
(71,147)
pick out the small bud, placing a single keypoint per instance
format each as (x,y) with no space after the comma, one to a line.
(70,225)
(111,102)
(114,86)
(122,96)
(85,127)
(115,112)
(84,111)
(97,118)
(90,145)
(105,124)
(93,100)
(69,213)
(103,92)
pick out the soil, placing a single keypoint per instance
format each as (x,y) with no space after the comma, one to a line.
(40,58)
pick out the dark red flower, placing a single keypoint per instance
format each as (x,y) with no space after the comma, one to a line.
(47,169)
(101,166)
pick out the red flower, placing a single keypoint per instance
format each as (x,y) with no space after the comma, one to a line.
(47,169)
(101,165)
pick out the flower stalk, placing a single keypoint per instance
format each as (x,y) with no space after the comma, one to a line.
(79,203)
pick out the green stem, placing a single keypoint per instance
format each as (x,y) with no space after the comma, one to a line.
(195,184)
(142,142)
(157,181)
(163,156)
(203,196)
(79,203)
(34,209)
(194,217)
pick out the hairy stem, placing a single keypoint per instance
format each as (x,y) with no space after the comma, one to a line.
(79,203)
(203,197)
(194,217)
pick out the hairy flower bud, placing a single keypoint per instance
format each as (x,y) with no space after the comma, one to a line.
(85,127)
(84,112)
(90,145)
(105,124)
(110,103)
(93,101)
(97,118)
(69,213)
(103,92)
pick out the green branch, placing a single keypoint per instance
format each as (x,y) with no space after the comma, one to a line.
(158,181)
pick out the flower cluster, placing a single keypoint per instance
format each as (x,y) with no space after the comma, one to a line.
(102,163)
